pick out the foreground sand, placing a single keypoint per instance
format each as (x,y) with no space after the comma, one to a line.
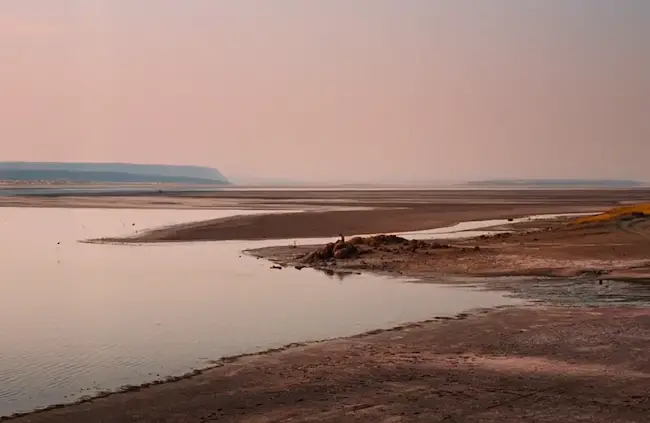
(514,365)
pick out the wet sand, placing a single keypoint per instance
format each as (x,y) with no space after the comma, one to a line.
(506,365)
(391,211)
(316,224)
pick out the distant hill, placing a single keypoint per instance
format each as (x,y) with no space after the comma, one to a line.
(109,172)
(600,183)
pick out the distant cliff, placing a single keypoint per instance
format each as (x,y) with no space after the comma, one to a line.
(109,172)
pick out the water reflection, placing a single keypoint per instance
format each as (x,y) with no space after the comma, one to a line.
(337,274)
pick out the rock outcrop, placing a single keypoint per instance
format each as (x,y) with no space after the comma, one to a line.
(343,250)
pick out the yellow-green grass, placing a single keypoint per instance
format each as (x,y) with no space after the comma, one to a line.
(616,213)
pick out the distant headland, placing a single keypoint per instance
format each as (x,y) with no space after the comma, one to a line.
(79,172)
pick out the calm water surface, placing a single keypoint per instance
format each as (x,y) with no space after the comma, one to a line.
(77,318)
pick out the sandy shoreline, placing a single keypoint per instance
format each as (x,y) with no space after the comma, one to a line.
(531,363)
(554,364)
(224,361)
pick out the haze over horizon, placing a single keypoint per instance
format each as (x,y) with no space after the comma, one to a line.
(332,90)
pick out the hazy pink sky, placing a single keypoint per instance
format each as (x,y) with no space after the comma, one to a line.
(331,89)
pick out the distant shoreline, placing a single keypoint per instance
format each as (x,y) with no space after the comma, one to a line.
(189,183)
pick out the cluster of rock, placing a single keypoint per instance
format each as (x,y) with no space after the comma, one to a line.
(342,249)
(502,235)
(333,250)
(379,241)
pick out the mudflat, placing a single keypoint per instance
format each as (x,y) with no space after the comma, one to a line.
(507,365)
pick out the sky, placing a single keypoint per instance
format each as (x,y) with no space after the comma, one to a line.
(332,90)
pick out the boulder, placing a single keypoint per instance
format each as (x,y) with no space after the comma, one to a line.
(345,252)
(336,250)
(357,240)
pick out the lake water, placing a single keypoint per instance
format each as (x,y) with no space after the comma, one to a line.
(78,318)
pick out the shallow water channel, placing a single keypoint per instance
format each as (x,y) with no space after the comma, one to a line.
(78,318)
